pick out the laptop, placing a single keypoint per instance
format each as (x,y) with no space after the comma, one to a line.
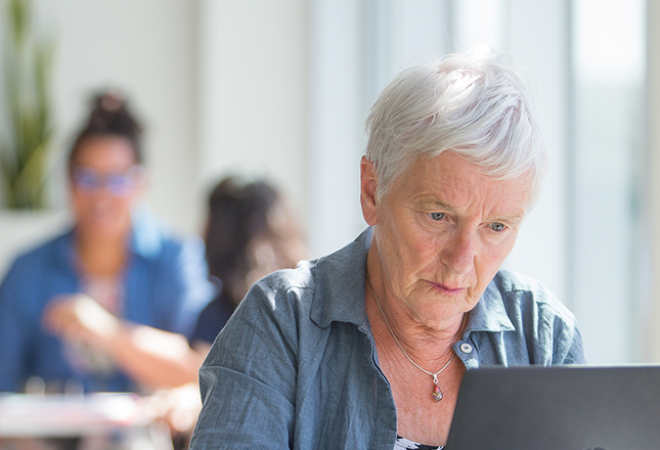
(558,408)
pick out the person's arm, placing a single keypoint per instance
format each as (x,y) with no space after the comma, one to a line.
(151,356)
(570,348)
(14,330)
(193,289)
(249,380)
(557,338)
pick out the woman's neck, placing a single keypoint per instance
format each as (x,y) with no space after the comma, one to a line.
(101,256)
(430,348)
(391,320)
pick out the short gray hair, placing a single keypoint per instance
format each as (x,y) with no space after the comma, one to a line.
(477,104)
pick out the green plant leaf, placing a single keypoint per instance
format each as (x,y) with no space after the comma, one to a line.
(30,179)
(18,15)
(27,67)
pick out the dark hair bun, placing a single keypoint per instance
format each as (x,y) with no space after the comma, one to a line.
(110,116)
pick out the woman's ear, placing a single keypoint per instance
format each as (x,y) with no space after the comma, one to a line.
(368,186)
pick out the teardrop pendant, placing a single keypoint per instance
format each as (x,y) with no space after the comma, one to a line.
(437,393)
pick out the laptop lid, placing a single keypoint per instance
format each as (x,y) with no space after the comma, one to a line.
(558,408)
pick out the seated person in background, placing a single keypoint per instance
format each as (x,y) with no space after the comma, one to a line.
(366,348)
(116,254)
(250,233)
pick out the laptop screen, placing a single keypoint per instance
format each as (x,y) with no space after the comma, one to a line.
(558,408)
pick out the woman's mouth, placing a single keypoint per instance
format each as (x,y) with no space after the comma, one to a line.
(445,289)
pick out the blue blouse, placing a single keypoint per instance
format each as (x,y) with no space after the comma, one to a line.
(296,366)
(165,286)
(212,318)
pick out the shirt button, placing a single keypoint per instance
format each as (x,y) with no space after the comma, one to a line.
(466,348)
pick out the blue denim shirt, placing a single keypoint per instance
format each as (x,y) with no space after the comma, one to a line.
(165,285)
(296,365)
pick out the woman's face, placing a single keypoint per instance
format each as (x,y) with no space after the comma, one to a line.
(105,183)
(441,234)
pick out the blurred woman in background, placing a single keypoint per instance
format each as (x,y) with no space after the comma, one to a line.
(116,254)
(250,232)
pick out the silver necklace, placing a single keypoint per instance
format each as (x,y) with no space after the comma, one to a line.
(437,392)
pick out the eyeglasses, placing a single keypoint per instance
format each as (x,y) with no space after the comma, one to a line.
(89,181)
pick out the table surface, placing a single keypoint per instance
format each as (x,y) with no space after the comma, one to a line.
(55,415)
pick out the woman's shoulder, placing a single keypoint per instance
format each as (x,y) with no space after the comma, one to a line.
(279,302)
(524,296)
(266,327)
(509,281)
(151,237)
(157,244)
(286,288)
(45,252)
(531,307)
(35,274)
(317,292)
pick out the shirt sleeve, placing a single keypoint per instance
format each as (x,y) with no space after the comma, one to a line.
(14,330)
(194,290)
(211,320)
(248,381)
(557,336)
(569,349)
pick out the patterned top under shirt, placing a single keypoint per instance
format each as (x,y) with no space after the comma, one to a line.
(405,444)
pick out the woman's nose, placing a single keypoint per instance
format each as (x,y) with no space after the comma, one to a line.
(460,251)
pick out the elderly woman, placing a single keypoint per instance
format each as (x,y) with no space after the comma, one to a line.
(366,348)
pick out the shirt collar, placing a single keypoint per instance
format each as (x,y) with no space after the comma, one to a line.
(489,314)
(146,234)
(340,292)
(340,284)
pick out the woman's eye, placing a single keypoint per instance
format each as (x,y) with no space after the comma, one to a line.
(437,215)
(496,226)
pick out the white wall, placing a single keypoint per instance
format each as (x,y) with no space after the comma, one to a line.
(147,49)
(537,37)
(337,112)
(253,93)
(652,306)
(608,162)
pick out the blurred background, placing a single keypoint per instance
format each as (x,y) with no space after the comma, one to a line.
(281,89)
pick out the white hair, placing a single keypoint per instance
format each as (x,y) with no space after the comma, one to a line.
(477,104)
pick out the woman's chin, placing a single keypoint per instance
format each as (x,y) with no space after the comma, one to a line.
(103,227)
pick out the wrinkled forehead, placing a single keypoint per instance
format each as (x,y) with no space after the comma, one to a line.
(450,175)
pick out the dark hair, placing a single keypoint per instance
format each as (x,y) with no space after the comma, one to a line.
(110,116)
(241,214)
